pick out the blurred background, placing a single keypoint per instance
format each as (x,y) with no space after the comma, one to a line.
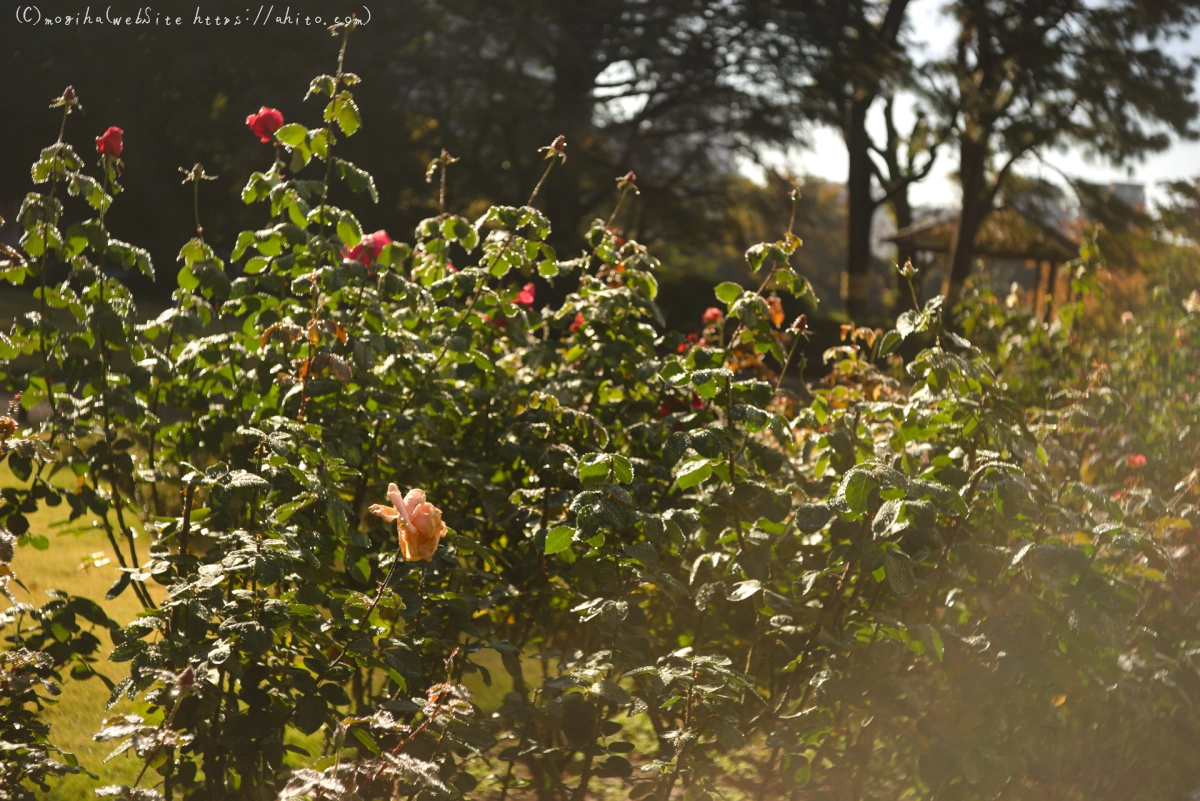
(963,135)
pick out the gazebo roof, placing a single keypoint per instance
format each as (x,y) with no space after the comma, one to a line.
(1006,233)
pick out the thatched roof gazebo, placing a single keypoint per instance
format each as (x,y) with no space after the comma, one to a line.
(1008,235)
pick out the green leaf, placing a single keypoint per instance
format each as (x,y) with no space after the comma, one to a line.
(349,231)
(899,573)
(622,468)
(891,340)
(693,472)
(856,489)
(743,590)
(358,180)
(559,539)
(366,739)
(932,640)
(727,292)
(309,714)
(595,467)
(348,118)
(292,134)
(611,691)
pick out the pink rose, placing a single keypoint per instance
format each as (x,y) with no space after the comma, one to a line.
(712,315)
(1137,461)
(418,523)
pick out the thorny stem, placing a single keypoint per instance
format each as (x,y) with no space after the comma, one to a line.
(378,596)
(670,779)
(442,189)
(541,181)
(45,263)
(329,159)
(520,747)
(620,199)
(139,588)
(166,724)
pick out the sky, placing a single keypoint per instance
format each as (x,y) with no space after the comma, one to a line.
(825,157)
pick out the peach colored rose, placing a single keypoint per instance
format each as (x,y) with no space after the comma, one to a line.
(418,523)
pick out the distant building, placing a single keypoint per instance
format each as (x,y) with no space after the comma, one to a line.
(1134,195)
(1020,248)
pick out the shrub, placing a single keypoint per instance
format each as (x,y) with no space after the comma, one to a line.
(700,579)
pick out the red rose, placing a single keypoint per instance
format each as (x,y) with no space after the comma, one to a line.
(665,408)
(526,295)
(265,123)
(1137,461)
(369,247)
(712,315)
(698,402)
(692,339)
(499,321)
(578,321)
(109,143)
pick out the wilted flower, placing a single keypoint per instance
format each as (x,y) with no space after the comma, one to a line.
(1127,318)
(418,523)
(109,143)
(712,315)
(265,123)
(776,308)
(556,148)
(800,324)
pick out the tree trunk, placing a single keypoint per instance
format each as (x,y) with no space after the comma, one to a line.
(860,208)
(975,202)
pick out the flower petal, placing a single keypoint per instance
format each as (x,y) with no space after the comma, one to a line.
(388,513)
(412,500)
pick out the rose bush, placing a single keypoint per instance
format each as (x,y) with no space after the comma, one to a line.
(696,574)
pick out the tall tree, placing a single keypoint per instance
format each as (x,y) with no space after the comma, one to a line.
(1028,75)
(674,90)
(859,51)
(907,159)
